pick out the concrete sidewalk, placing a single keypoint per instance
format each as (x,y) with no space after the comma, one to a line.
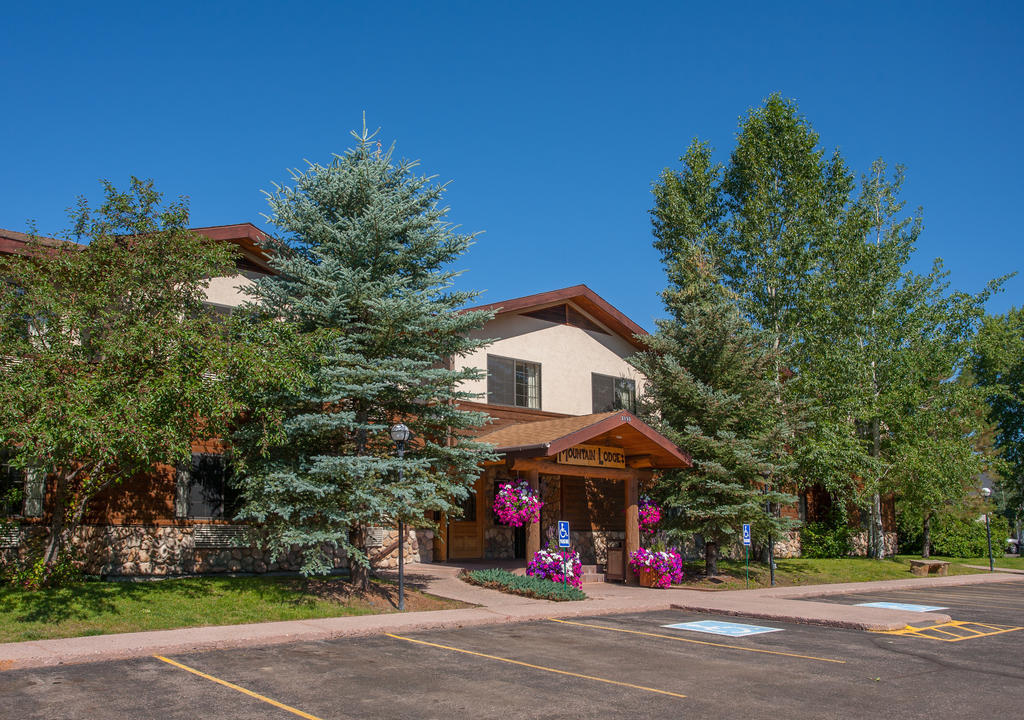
(496,608)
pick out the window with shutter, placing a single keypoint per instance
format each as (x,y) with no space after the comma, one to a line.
(612,393)
(513,382)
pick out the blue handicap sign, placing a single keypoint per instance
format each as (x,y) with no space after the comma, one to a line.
(716,627)
(746,534)
(909,607)
(563,533)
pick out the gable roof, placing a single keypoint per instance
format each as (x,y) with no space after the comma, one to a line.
(245,235)
(580,295)
(618,428)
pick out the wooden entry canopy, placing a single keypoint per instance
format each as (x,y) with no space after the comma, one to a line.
(533,448)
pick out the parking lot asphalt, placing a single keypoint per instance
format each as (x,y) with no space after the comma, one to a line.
(626,665)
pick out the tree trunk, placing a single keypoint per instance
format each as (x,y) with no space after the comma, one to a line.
(359,574)
(926,536)
(711,559)
(877,534)
(58,526)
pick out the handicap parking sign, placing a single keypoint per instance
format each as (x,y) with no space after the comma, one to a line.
(563,533)
(746,534)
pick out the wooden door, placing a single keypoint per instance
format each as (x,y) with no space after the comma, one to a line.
(466,534)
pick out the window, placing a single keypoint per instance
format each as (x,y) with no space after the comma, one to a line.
(612,393)
(513,382)
(205,489)
(12,484)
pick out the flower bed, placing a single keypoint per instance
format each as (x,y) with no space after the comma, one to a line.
(516,504)
(666,566)
(560,566)
(535,587)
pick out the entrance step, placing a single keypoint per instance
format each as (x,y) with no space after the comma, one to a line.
(592,577)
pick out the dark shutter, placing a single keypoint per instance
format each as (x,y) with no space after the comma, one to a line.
(602,388)
(501,381)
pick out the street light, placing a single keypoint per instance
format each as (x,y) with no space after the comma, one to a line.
(985,492)
(400,434)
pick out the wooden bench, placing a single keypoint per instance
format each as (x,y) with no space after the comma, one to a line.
(929,567)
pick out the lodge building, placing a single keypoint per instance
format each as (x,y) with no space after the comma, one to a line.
(561,395)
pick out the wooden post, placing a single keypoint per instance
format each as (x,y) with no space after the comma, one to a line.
(533,529)
(632,525)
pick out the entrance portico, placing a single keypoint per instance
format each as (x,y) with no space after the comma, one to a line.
(592,468)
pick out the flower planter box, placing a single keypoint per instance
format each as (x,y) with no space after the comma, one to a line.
(648,578)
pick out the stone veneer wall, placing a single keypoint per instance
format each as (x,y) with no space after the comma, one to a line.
(592,545)
(419,547)
(146,550)
(860,544)
(789,545)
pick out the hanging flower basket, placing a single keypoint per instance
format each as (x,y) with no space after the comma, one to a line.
(650,515)
(657,568)
(559,566)
(516,504)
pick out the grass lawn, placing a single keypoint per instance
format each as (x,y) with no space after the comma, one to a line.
(806,571)
(1014,563)
(100,608)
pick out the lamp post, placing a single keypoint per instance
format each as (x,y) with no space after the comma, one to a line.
(771,536)
(985,492)
(400,434)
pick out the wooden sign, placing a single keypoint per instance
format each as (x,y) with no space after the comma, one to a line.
(593,456)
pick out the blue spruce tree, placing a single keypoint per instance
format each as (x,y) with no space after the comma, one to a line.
(363,274)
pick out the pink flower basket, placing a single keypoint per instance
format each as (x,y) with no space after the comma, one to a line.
(516,504)
(664,566)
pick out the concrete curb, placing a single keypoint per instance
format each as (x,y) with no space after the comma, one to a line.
(998,569)
(96,648)
(781,604)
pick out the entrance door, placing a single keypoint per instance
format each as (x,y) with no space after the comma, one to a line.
(466,534)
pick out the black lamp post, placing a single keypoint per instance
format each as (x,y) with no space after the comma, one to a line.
(985,492)
(400,434)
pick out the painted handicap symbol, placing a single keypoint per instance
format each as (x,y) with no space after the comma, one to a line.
(723,628)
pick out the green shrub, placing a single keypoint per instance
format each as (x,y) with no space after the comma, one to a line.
(965,537)
(527,585)
(824,540)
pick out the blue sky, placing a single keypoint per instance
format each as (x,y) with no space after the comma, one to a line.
(550,119)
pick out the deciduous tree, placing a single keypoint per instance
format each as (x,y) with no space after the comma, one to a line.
(111,362)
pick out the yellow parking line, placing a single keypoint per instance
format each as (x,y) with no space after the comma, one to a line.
(250,693)
(538,667)
(932,632)
(699,642)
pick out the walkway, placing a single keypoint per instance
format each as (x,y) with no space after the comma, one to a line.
(495,608)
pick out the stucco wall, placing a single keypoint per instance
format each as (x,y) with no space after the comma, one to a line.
(227,290)
(567,356)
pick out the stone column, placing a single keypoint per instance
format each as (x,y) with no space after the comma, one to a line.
(533,529)
(632,525)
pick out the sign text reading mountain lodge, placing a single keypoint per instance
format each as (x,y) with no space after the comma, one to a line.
(594,456)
